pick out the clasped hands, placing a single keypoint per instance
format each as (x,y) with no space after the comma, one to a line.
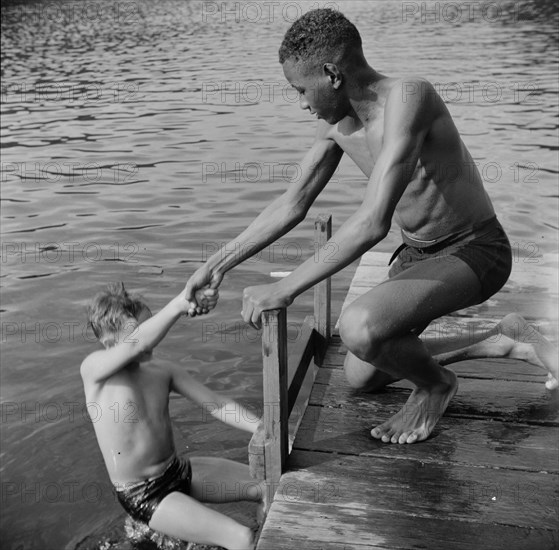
(202,294)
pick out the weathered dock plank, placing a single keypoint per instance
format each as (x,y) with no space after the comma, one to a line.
(326,527)
(422,490)
(510,400)
(481,443)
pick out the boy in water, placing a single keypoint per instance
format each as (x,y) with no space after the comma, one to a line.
(152,483)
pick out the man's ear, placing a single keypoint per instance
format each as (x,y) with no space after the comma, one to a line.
(333,73)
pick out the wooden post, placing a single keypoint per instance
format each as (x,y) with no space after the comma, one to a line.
(275,417)
(269,446)
(323,290)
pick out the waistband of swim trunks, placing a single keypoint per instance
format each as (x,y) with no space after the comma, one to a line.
(476,230)
(121,486)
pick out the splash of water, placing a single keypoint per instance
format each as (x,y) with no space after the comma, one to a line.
(138,536)
(138,533)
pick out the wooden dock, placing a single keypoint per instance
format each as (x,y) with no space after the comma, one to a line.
(486,479)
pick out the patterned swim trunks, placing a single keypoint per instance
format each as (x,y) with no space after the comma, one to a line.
(141,498)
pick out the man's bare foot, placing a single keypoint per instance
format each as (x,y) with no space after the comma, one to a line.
(531,346)
(418,417)
(515,338)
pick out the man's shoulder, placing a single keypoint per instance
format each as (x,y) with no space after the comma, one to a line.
(409,89)
(412,101)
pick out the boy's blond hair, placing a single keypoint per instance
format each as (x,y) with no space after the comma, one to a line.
(112,308)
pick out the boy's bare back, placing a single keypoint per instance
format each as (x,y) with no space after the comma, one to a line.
(132,421)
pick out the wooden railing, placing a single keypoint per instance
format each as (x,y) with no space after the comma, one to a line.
(284,374)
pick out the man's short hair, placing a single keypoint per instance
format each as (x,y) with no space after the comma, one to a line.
(320,36)
(112,308)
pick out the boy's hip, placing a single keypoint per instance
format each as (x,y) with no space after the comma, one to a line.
(141,498)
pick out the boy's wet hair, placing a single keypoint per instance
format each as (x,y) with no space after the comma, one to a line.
(322,36)
(111,309)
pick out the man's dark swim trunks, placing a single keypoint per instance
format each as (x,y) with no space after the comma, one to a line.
(485,248)
(141,498)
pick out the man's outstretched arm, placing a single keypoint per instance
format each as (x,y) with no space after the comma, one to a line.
(406,123)
(279,217)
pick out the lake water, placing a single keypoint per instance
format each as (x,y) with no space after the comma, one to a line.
(138,136)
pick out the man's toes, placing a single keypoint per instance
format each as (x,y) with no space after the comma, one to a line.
(387,437)
(386,434)
(404,437)
(382,430)
(379,432)
(418,435)
(412,438)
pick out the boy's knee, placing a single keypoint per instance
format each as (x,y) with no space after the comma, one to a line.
(246,538)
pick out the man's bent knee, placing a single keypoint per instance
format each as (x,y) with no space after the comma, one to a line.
(362,332)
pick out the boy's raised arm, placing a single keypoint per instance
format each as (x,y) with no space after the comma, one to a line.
(134,339)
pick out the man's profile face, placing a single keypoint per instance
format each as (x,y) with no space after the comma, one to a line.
(317,93)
